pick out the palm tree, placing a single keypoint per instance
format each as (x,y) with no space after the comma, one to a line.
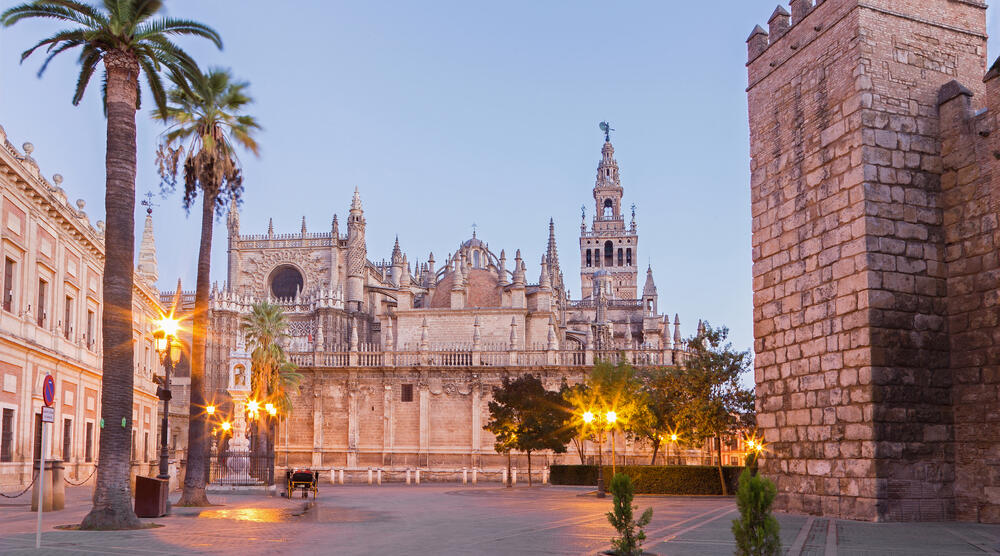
(205,119)
(273,377)
(126,37)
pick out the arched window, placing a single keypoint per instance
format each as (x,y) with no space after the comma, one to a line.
(475,259)
(597,257)
(619,256)
(589,258)
(286,281)
(609,253)
(628,256)
(609,208)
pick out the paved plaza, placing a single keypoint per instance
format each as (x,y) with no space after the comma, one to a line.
(458,519)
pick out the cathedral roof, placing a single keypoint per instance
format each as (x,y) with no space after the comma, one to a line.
(481,290)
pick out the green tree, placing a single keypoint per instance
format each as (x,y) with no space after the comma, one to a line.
(621,517)
(711,401)
(129,40)
(617,387)
(206,122)
(526,417)
(756,531)
(273,377)
(661,397)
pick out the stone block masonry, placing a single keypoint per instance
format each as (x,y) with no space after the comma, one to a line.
(874,248)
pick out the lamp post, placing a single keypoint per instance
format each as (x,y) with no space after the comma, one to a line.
(610,418)
(271,413)
(166,345)
(588,418)
(673,440)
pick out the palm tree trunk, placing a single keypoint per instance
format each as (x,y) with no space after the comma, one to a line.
(529,468)
(113,492)
(194,474)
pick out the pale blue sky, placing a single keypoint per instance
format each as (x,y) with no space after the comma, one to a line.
(449,113)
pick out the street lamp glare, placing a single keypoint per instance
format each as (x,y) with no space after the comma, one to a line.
(271,410)
(673,438)
(210,410)
(226,426)
(588,417)
(253,406)
(612,416)
(168,325)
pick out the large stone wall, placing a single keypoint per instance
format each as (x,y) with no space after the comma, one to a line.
(851,288)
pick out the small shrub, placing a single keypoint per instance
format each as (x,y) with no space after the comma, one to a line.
(756,531)
(630,530)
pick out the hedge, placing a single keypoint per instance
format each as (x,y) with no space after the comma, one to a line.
(654,479)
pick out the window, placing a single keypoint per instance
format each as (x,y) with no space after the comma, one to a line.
(406,395)
(90,329)
(475,259)
(67,439)
(7,435)
(43,290)
(597,257)
(619,256)
(38,437)
(589,262)
(88,451)
(8,285)
(609,253)
(628,256)
(68,317)
(609,210)
(286,282)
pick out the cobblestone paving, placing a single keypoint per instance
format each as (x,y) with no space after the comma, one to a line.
(457,519)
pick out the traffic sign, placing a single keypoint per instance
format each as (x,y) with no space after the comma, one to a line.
(48,390)
(48,414)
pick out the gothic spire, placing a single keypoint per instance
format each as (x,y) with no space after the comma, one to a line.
(397,254)
(148,268)
(650,288)
(356,201)
(551,252)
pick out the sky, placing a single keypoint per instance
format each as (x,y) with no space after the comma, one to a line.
(446,114)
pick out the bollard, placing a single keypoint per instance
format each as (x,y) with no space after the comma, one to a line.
(503,476)
(58,485)
(333,476)
(474,473)
(465,475)
(369,475)
(418,475)
(407,475)
(341,476)
(380,475)
(513,478)
(545,475)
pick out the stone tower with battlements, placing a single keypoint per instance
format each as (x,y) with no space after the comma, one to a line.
(858,322)
(609,245)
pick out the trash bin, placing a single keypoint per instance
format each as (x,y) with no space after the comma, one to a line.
(150,497)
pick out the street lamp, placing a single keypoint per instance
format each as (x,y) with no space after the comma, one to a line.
(611,417)
(673,440)
(210,410)
(226,425)
(588,418)
(165,342)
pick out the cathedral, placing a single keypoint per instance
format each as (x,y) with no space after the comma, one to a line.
(399,356)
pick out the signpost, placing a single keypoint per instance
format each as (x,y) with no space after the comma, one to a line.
(48,416)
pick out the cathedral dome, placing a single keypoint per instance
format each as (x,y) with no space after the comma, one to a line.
(481,290)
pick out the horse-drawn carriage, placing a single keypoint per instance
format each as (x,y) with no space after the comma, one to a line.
(305,480)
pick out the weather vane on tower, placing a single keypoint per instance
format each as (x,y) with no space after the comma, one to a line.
(148,202)
(607,129)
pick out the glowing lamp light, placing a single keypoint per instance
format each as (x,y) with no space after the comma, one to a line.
(253,406)
(673,438)
(210,410)
(611,416)
(226,426)
(271,410)
(588,417)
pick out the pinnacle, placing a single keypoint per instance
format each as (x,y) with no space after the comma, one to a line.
(779,11)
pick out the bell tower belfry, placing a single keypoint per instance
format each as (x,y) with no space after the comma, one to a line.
(609,244)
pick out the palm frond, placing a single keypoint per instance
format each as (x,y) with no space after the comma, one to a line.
(89,59)
(170,26)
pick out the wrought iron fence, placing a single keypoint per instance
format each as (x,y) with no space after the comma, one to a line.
(241,468)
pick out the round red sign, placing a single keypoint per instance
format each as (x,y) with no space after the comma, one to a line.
(48,390)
